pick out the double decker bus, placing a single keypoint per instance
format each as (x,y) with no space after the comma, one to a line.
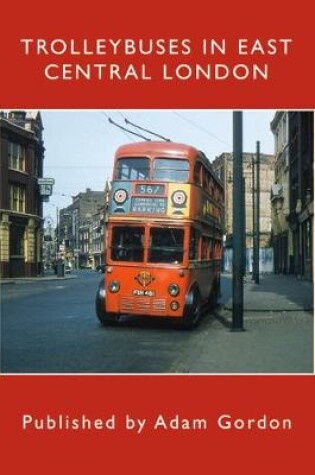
(164,234)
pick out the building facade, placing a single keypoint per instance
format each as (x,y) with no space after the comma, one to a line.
(98,231)
(21,165)
(81,229)
(293,192)
(280,204)
(223,167)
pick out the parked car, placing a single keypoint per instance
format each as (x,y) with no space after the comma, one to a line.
(100,268)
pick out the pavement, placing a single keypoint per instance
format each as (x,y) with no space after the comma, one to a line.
(277,336)
(276,293)
(37,279)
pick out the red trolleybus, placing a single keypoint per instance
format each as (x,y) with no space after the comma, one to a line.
(164,234)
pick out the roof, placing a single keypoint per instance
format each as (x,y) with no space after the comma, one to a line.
(156,147)
(28,120)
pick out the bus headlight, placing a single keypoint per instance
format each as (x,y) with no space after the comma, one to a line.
(173,290)
(174,305)
(114,286)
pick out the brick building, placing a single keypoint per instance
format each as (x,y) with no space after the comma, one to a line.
(81,228)
(223,167)
(21,164)
(293,192)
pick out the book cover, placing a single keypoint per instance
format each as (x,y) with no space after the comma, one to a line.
(190,62)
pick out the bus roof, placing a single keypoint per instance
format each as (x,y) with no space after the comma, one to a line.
(157,147)
(179,150)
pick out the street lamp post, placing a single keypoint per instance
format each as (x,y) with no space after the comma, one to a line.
(57,229)
(253,216)
(48,249)
(256,215)
(57,232)
(75,227)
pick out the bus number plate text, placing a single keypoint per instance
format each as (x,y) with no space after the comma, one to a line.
(144,293)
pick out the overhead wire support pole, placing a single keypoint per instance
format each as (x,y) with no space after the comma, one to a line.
(253,218)
(146,130)
(257,210)
(127,130)
(238,224)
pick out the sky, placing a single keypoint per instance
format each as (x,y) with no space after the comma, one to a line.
(80,144)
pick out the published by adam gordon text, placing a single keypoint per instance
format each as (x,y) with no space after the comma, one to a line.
(160,422)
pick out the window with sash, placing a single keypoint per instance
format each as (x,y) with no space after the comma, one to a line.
(16,156)
(17,198)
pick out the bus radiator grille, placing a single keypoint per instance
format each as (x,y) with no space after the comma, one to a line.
(159,305)
(142,305)
(127,304)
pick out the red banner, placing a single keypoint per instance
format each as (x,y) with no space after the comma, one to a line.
(186,423)
(128,57)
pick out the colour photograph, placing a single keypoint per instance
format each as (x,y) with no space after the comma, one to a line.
(117,235)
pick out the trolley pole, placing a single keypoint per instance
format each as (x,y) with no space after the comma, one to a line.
(238,223)
(257,216)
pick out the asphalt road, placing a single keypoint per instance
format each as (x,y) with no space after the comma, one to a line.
(51,327)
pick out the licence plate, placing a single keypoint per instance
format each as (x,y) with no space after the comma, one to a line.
(144,293)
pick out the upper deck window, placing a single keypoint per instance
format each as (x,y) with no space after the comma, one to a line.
(169,169)
(135,168)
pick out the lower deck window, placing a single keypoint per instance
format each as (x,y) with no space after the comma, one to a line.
(166,245)
(127,244)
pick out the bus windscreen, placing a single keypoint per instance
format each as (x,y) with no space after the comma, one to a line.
(137,168)
(171,170)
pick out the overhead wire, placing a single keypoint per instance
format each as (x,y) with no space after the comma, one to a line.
(202,129)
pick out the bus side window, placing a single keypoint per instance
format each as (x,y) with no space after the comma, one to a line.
(193,244)
(210,250)
(205,178)
(197,174)
(217,250)
(204,248)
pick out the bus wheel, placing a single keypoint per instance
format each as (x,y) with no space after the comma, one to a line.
(100,303)
(192,312)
